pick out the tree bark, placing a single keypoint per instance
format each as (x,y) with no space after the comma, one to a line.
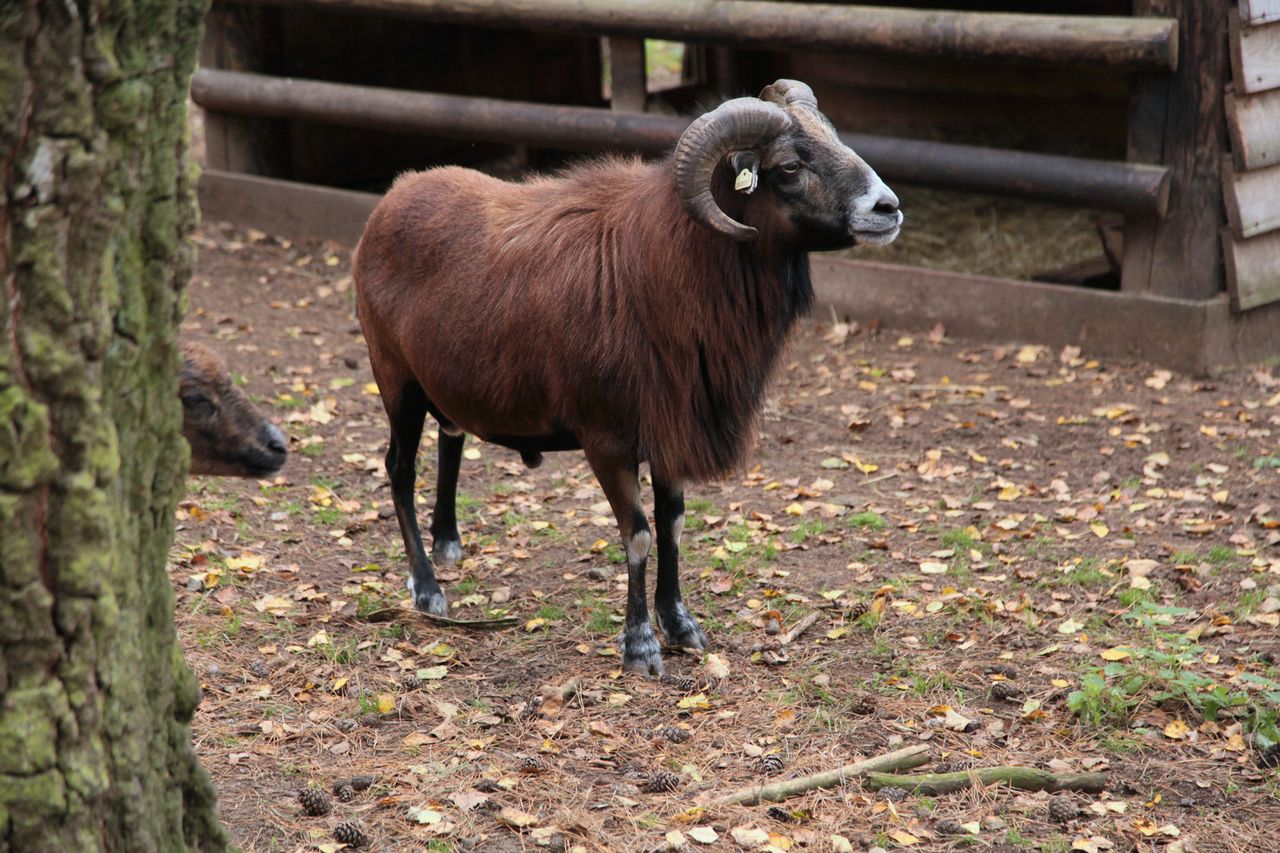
(95,698)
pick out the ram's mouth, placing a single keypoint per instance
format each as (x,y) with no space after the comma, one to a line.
(876,237)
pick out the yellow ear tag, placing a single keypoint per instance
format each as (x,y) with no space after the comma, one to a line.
(745,181)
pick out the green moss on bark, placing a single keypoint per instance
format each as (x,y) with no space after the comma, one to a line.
(95,748)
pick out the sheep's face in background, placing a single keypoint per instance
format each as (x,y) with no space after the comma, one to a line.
(228,436)
(779,165)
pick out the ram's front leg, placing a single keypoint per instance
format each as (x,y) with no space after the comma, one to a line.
(618,477)
(675,620)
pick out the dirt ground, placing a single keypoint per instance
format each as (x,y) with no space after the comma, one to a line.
(1014,556)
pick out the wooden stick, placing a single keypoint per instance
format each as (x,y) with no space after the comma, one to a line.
(392,614)
(796,630)
(799,628)
(907,757)
(1025,778)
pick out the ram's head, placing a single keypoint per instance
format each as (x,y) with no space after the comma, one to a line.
(777,162)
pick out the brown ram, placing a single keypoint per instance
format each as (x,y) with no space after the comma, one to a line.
(633,310)
(228,436)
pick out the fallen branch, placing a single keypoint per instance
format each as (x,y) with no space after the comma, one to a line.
(1025,778)
(790,637)
(907,757)
(391,614)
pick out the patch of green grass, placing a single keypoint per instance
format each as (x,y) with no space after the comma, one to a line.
(214,504)
(1268,461)
(1087,573)
(1132,597)
(550,612)
(1183,558)
(312,448)
(1220,555)
(329,516)
(615,553)
(288,401)
(342,652)
(1057,843)
(468,507)
(807,530)
(467,585)
(868,521)
(959,539)
(599,615)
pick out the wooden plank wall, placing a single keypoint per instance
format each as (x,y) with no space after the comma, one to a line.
(1251,174)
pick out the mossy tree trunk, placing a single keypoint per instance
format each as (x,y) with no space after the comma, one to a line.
(95,699)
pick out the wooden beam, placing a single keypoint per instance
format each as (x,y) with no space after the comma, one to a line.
(290,209)
(1252,199)
(1191,336)
(1254,12)
(1253,123)
(1178,122)
(1255,55)
(1253,270)
(1097,184)
(1122,42)
(629,82)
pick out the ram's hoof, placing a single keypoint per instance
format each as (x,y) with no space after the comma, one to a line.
(640,651)
(446,552)
(681,629)
(429,599)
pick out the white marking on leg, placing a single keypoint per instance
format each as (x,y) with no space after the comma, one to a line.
(638,547)
(409,583)
(677,529)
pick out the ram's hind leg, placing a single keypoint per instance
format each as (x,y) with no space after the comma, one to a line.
(446,545)
(407,411)
(618,477)
(677,623)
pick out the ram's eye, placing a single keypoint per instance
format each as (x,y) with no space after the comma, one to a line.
(791,167)
(198,404)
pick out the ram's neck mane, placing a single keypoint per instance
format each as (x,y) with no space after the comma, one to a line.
(715,314)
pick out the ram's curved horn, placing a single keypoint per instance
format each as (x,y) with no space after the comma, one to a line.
(743,123)
(788,93)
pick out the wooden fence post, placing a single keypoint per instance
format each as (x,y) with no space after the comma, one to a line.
(1178,121)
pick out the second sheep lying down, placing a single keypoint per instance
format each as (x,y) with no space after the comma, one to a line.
(633,310)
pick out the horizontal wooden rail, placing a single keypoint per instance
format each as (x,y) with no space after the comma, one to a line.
(1097,184)
(1149,44)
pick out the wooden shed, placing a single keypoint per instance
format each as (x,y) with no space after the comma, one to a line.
(1164,114)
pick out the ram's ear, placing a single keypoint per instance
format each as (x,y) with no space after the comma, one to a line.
(746,170)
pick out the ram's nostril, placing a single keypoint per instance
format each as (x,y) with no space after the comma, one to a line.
(275,440)
(886,206)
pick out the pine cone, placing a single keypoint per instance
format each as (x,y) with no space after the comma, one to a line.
(675,734)
(947,826)
(410,682)
(258,669)
(858,609)
(370,719)
(347,725)
(363,782)
(315,802)
(531,764)
(661,782)
(351,833)
(1004,691)
(893,793)
(345,792)
(771,764)
(680,682)
(863,704)
(487,786)
(1062,809)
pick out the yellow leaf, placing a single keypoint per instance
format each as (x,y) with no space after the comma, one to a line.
(697,702)
(1176,730)
(371,388)
(933,568)
(472,453)
(1115,654)
(1099,529)
(1009,493)
(837,633)
(319,638)
(535,624)
(1060,683)
(794,509)
(515,818)
(338,684)
(246,563)
(904,838)
(386,703)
